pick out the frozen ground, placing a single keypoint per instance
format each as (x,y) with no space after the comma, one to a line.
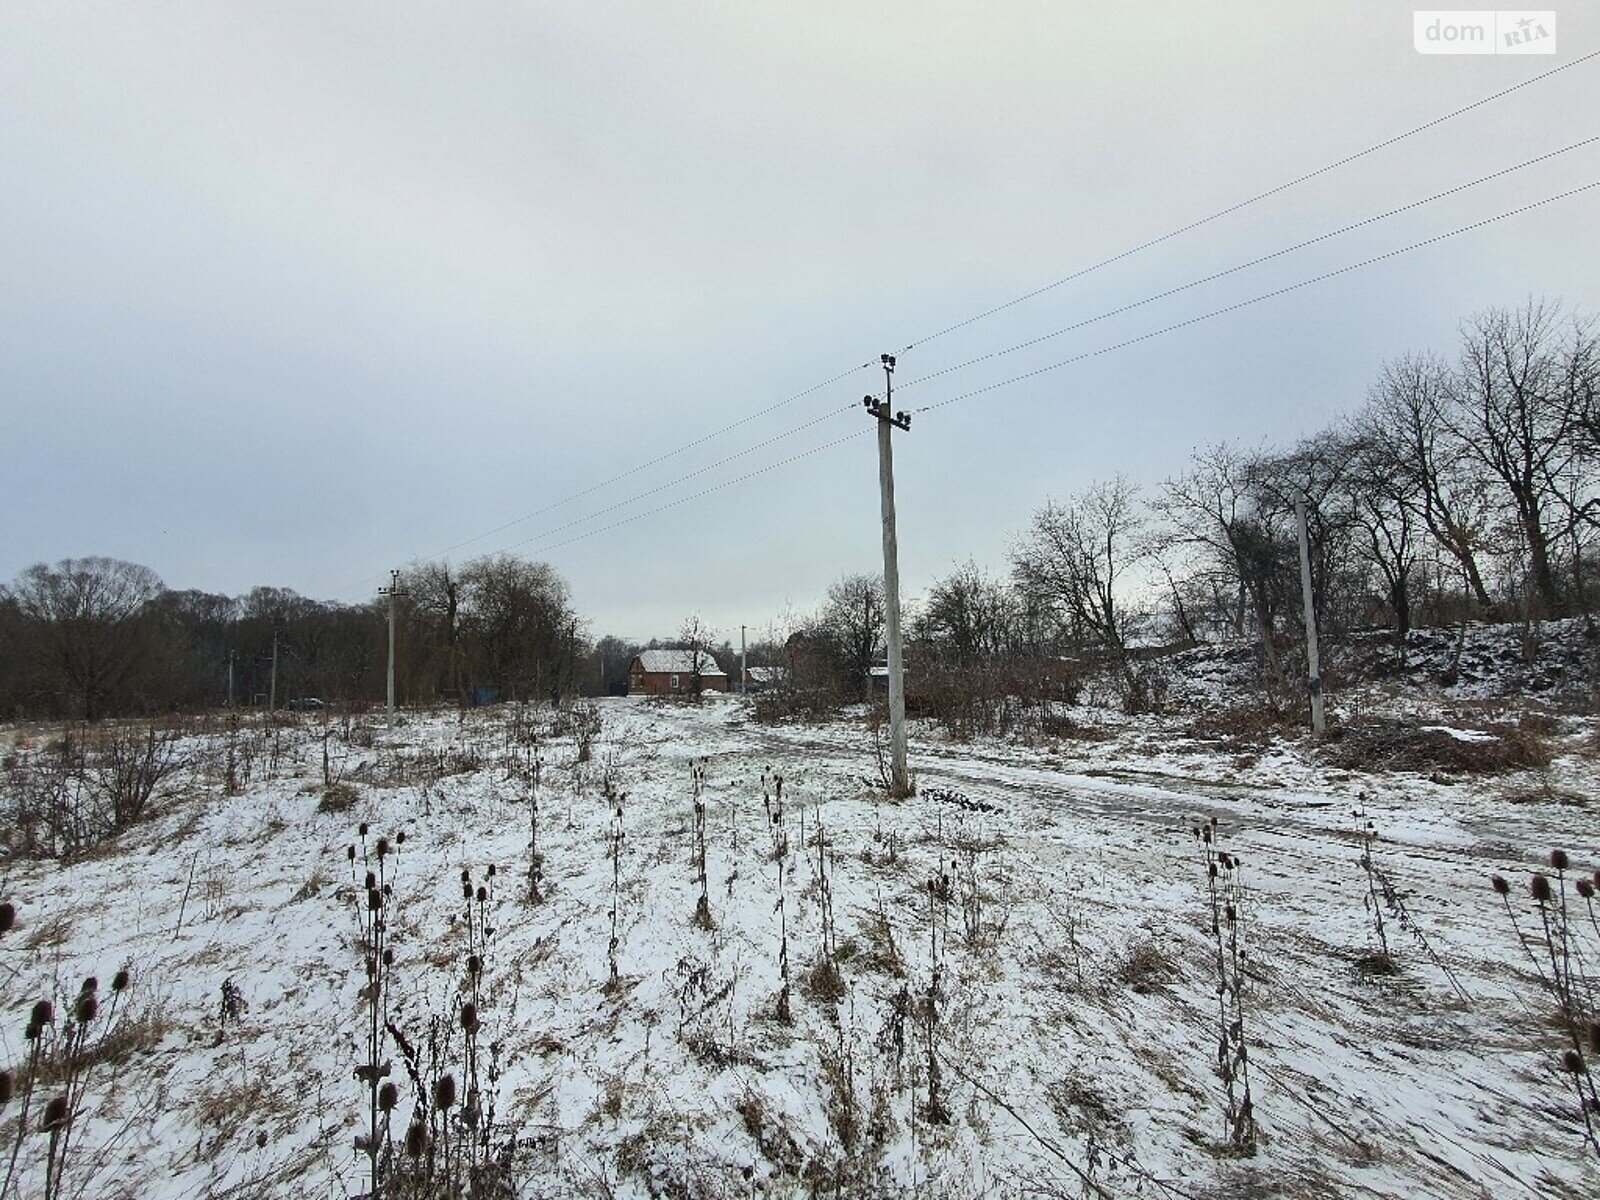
(1076,1016)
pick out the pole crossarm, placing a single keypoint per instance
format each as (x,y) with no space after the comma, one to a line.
(880,409)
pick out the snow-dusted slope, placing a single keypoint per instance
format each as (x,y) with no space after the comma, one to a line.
(1074,1030)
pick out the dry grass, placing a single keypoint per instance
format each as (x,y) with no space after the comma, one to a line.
(1245,726)
(50,931)
(312,887)
(1397,746)
(134,1032)
(338,798)
(1146,968)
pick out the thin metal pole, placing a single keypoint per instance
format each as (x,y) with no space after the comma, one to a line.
(394,581)
(1318,723)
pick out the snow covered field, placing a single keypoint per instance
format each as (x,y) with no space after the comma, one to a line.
(1050,900)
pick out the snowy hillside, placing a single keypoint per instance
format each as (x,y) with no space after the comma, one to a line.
(1005,985)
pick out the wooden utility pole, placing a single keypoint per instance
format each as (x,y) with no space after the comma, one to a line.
(272,685)
(888,420)
(744,665)
(232,654)
(391,591)
(1318,723)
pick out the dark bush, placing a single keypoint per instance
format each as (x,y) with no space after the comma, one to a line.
(1394,746)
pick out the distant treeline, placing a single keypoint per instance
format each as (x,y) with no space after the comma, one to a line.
(1462,487)
(93,637)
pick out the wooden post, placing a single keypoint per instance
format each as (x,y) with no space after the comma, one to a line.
(888,420)
(1318,723)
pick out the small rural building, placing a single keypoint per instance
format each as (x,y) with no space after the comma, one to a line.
(671,673)
(759,679)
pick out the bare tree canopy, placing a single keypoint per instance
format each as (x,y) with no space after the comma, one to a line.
(87,609)
(1526,378)
(1074,556)
(968,618)
(852,623)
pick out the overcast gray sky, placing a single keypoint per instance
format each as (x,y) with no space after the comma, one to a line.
(296,292)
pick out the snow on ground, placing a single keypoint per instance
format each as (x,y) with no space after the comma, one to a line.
(1076,1011)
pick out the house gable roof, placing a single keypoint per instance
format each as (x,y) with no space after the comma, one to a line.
(679,662)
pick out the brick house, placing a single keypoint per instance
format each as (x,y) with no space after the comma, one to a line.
(672,673)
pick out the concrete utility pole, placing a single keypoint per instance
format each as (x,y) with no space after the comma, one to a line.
(392,591)
(899,779)
(744,665)
(272,685)
(1318,724)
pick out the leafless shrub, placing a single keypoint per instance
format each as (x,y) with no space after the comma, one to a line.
(824,981)
(454,1143)
(983,926)
(772,802)
(697,845)
(46,810)
(1395,746)
(1242,726)
(929,1008)
(79,789)
(535,856)
(583,722)
(614,840)
(338,798)
(1145,967)
(795,703)
(374,867)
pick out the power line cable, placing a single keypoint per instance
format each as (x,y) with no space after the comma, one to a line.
(1244,266)
(727,483)
(1257,198)
(827,416)
(645,466)
(1169,236)
(1045,337)
(1173,327)
(1293,287)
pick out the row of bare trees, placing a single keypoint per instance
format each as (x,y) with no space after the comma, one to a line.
(93,637)
(498,622)
(1462,487)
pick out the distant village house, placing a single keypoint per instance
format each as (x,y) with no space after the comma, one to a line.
(672,673)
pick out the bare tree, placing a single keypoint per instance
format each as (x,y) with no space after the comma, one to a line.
(852,623)
(1382,507)
(969,617)
(1520,395)
(1407,435)
(433,610)
(1073,559)
(87,610)
(1214,512)
(517,626)
(697,639)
